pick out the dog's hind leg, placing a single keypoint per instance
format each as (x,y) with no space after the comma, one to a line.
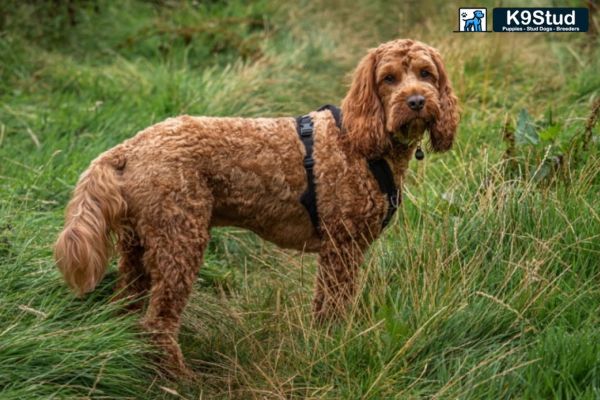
(174,235)
(133,282)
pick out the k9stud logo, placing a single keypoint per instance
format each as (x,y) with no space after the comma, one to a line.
(524,19)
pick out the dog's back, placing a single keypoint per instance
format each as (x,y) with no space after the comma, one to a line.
(251,167)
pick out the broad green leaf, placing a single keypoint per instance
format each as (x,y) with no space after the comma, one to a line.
(525,132)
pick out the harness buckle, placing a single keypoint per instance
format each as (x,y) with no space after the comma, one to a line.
(306,126)
(309,162)
(306,129)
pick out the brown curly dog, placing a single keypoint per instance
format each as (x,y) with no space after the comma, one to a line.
(162,191)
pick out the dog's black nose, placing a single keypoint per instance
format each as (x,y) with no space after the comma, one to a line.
(416,102)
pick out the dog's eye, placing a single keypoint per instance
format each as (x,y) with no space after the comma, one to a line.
(425,73)
(390,79)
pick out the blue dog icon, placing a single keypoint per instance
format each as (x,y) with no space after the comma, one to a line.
(474,24)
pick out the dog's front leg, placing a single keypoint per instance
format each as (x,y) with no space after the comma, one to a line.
(337,279)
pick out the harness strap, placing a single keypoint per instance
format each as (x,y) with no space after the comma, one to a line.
(308,199)
(378,167)
(383,174)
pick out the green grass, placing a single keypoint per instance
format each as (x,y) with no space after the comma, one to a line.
(487,285)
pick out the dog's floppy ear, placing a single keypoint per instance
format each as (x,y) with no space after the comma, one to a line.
(443,130)
(363,115)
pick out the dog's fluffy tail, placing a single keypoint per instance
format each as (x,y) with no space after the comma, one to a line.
(96,209)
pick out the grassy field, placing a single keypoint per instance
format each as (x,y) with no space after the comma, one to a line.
(487,284)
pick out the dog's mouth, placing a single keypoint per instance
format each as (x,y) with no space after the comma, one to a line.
(412,129)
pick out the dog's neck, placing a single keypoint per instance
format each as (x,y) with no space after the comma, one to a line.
(398,158)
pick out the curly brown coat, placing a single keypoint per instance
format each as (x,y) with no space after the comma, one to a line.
(161,191)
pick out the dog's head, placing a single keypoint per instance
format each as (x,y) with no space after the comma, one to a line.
(399,89)
(478,14)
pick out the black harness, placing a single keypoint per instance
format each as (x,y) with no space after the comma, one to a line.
(379,168)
